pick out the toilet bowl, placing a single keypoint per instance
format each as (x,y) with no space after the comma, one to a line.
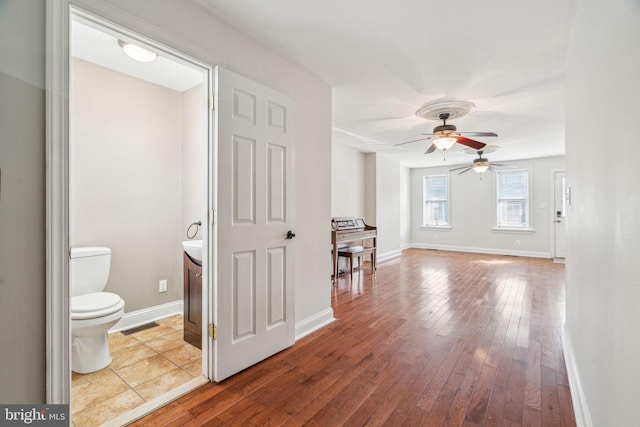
(93,312)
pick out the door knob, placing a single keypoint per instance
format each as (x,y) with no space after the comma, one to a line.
(290,235)
(558,221)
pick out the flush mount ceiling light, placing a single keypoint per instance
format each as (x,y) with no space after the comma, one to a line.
(136,52)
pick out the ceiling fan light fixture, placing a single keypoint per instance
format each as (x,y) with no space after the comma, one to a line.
(444,142)
(480,168)
(136,52)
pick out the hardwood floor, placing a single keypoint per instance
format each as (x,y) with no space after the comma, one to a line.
(434,338)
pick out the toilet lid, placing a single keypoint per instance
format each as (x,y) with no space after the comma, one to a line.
(96,304)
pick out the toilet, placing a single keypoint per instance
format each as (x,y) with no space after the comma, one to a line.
(93,312)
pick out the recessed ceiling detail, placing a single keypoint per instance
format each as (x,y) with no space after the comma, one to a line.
(455,109)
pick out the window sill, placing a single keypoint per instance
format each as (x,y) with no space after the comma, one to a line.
(513,230)
(436,227)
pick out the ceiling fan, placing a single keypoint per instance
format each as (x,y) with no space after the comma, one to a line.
(481,165)
(444,136)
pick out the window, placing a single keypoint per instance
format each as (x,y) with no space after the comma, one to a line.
(435,210)
(512,199)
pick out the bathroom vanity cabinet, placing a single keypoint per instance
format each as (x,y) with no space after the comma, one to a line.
(192,301)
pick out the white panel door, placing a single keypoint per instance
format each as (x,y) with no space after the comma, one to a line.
(254,288)
(559,214)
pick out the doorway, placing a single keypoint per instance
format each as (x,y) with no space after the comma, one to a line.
(139,173)
(559,215)
(259,174)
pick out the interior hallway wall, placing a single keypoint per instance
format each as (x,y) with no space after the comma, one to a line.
(22,202)
(603,234)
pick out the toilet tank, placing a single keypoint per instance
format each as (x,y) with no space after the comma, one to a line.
(89,269)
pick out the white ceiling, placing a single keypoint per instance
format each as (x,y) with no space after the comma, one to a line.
(384,59)
(100,46)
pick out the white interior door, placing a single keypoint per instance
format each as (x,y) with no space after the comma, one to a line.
(559,214)
(254,289)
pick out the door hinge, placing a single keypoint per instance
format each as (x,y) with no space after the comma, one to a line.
(212,102)
(213,331)
(213,218)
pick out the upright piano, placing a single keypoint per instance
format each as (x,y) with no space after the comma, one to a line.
(346,230)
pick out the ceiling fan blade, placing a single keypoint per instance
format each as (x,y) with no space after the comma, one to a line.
(478,134)
(431,149)
(461,167)
(409,142)
(466,170)
(471,143)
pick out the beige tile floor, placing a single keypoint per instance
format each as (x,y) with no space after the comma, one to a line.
(145,365)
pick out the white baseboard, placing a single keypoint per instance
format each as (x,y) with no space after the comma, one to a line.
(313,323)
(580,408)
(146,315)
(491,251)
(388,255)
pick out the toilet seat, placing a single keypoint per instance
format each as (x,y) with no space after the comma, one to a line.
(94,305)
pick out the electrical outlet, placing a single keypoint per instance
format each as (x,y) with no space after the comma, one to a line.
(163,286)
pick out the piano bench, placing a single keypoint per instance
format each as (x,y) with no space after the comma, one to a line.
(358,252)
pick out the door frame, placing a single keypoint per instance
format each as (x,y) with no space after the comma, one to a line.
(552,213)
(554,173)
(58,21)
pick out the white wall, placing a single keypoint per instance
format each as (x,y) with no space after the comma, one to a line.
(194,161)
(472,212)
(603,233)
(388,209)
(312,154)
(347,181)
(405,207)
(370,189)
(125,178)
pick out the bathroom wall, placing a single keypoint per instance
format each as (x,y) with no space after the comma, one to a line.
(125,180)
(194,161)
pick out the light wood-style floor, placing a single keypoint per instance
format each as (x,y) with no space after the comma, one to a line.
(434,338)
